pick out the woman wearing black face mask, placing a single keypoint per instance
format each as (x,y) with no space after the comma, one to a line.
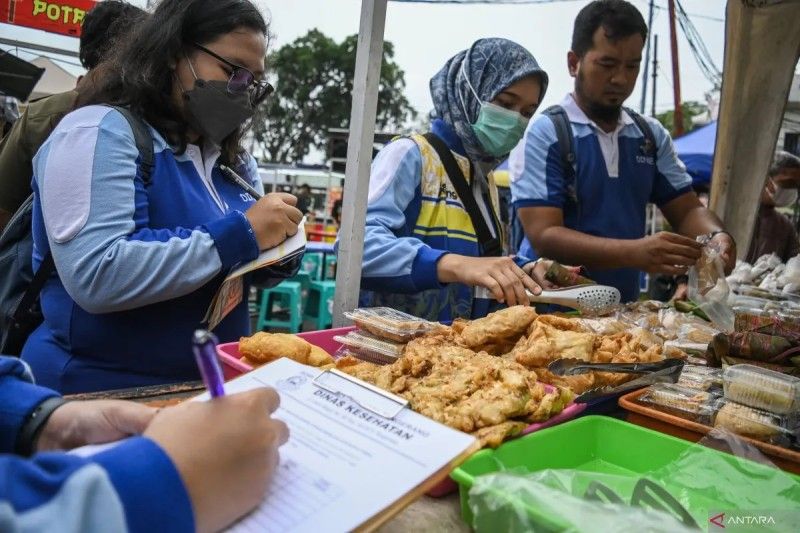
(139,261)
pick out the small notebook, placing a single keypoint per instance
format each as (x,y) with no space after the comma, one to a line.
(230,293)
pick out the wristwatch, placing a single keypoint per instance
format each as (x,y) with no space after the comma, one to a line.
(715,233)
(33,425)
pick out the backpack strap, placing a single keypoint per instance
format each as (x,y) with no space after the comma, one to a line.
(34,288)
(566,142)
(490,246)
(144,143)
(146,162)
(649,145)
(566,145)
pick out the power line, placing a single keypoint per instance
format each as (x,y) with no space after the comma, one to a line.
(698,47)
(696,15)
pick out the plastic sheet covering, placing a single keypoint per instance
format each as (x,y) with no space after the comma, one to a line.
(708,288)
(677,497)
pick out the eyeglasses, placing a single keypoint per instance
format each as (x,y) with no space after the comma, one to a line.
(242,79)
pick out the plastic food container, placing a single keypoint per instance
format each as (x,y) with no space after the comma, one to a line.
(761,388)
(370,348)
(754,423)
(701,378)
(692,404)
(390,324)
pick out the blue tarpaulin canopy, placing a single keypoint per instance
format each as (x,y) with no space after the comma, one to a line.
(696,150)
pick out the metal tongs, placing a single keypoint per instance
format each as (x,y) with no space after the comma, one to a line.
(570,367)
(666,371)
(588,299)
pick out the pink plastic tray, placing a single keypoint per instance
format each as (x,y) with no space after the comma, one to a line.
(229,352)
(233,367)
(448,486)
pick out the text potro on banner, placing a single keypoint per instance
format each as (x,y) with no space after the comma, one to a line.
(56,16)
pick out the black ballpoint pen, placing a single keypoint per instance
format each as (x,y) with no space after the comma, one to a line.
(238,180)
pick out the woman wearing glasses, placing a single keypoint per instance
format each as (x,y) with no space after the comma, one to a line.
(139,261)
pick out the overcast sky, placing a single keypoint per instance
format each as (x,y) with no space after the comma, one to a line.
(426,35)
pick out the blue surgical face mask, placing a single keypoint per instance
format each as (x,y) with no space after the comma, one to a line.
(498,129)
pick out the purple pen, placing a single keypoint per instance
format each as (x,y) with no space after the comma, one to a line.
(204,345)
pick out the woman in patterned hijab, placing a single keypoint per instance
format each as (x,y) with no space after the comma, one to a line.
(485,73)
(422,251)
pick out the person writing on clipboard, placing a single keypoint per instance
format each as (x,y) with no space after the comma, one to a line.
(140,250)
(179,471)
(432,232)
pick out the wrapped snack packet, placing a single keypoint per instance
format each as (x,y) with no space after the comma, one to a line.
(691,404)
(754,423)
(566,277)
(390,324)
(369,348)
(762,389)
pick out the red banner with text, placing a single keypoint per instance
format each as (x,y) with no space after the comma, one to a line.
(59,16)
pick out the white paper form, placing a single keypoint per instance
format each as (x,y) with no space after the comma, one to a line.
(342,464)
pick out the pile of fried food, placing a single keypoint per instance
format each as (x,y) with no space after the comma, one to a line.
(488,376)
(263,348)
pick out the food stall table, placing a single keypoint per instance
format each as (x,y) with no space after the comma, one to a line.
(426,514)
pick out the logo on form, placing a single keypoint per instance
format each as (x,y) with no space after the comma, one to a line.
(291,383)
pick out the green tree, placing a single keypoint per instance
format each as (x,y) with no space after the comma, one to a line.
(313,78)
(690,110)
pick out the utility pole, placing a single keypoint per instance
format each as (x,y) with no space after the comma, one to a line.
(655,74)
(677,123)
(647,58)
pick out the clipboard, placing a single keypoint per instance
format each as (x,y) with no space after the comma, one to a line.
(343,430)
(382,403)
(387,405)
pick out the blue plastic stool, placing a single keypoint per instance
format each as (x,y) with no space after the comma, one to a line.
(318,305)
(312,263)
(289,295)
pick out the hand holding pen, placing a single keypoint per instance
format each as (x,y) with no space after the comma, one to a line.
(274,217)
(225,449)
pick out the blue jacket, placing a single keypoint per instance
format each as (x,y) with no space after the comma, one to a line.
(137,266)
(131,487)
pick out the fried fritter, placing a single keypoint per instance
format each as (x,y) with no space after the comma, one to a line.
(547,341)
(493,436)
(263,348)
(504,326)
(266,347)
(458,387)
(319,357)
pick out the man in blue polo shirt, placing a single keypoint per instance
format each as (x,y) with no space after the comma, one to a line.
(595,216)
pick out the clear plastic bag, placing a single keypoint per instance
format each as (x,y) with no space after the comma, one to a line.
(555,500)
(708,287)
(682,495)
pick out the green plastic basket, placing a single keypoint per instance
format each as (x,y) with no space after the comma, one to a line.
(597,444)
